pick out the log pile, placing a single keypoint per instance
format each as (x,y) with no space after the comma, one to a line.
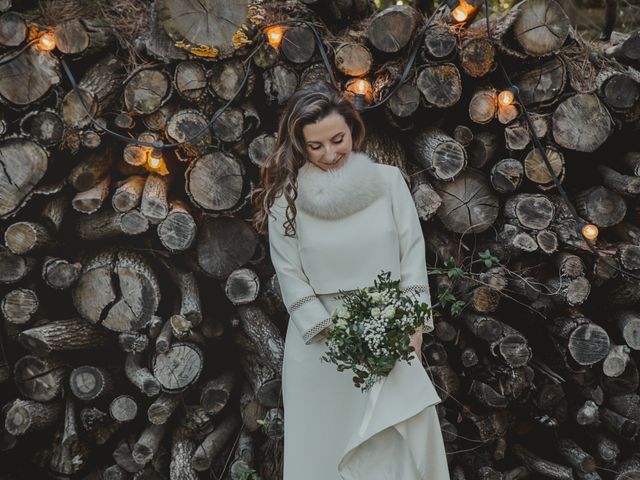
(142,326)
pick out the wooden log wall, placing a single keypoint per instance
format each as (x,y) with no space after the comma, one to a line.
(142,329)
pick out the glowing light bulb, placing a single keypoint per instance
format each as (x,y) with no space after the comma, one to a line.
(506,98)
(155,159)
(274,35)
(47,42)
(459,14)
(590,231)
(361,86)
(462,11)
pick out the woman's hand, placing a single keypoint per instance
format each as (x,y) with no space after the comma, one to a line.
(416,341)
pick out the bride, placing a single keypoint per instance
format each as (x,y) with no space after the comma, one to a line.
(335,219)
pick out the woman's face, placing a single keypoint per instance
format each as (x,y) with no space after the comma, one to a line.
(328,142)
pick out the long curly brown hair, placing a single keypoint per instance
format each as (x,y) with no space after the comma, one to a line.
(309,104)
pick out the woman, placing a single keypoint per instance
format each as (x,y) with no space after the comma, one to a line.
(335,220)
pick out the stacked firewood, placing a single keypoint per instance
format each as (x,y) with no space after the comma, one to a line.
(142,329)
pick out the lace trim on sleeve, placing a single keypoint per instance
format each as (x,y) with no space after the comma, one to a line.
(300,302)
(313,331)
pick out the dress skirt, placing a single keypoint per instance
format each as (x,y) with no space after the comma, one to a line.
(333,431)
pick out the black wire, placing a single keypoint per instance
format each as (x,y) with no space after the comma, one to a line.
(538,144)
(135,141)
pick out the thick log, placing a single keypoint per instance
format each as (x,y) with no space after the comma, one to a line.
(213,444)
(205,29)
(216,393)
(391,29)
(543,85)
(440,85)
(585,341)
(179,367)
(353,59)
(468,204)
(279,84)
(63,335)
(477,57)
(405,101)
(190,80)
(128,193)
(147,445)
(242,286)
(89,201)
(182,451)
(214,181)
(154,203)
(185,126)
(40,378)
(91,170)
(177,231)
(263,334)
(517,136)
(616,361)
(26,416)
(98,299)
(133,342)
(20,306)
(483,149)
(59,273)
(628,321)
(98,87)
(581,123)
(535,168)
(223,245)
(298,44)
(146,91)
(572,292)
(123,408)
(40,68)
(140,376)
(23,163)
(162,408)
(483,106)
(89,383)
(540,466)
(13,29)
(14,268)
(441,155)
(506,175)
(27,237)
(83,36)
(109,223)
(541,26)
(44,126)
(439,41)
(601,206)
(623,184)
(529,210)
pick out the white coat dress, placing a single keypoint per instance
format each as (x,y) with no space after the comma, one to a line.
(351,224)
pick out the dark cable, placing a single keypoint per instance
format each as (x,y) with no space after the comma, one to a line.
(12,56)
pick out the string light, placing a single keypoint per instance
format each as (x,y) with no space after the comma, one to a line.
(155,162)
(590,231)
(46,42)
(508,96)
(362,89)
(462,12)
(274,35)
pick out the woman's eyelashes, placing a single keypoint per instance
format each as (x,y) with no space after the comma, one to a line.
(337,142)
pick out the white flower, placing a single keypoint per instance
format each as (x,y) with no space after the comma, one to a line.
(375,312)
(389,312)
(375,297)
(341,323)
(342,312)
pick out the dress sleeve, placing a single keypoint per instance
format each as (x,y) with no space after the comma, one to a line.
(305,309)
(413,265)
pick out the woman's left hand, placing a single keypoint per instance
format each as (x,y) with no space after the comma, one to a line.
(416,340)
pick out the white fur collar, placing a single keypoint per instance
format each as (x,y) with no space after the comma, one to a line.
(332,194)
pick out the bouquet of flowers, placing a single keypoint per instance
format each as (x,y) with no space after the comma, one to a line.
(372,328)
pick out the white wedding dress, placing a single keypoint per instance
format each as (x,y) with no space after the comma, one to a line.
(333,430)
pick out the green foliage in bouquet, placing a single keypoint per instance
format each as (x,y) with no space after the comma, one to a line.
(372,328)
